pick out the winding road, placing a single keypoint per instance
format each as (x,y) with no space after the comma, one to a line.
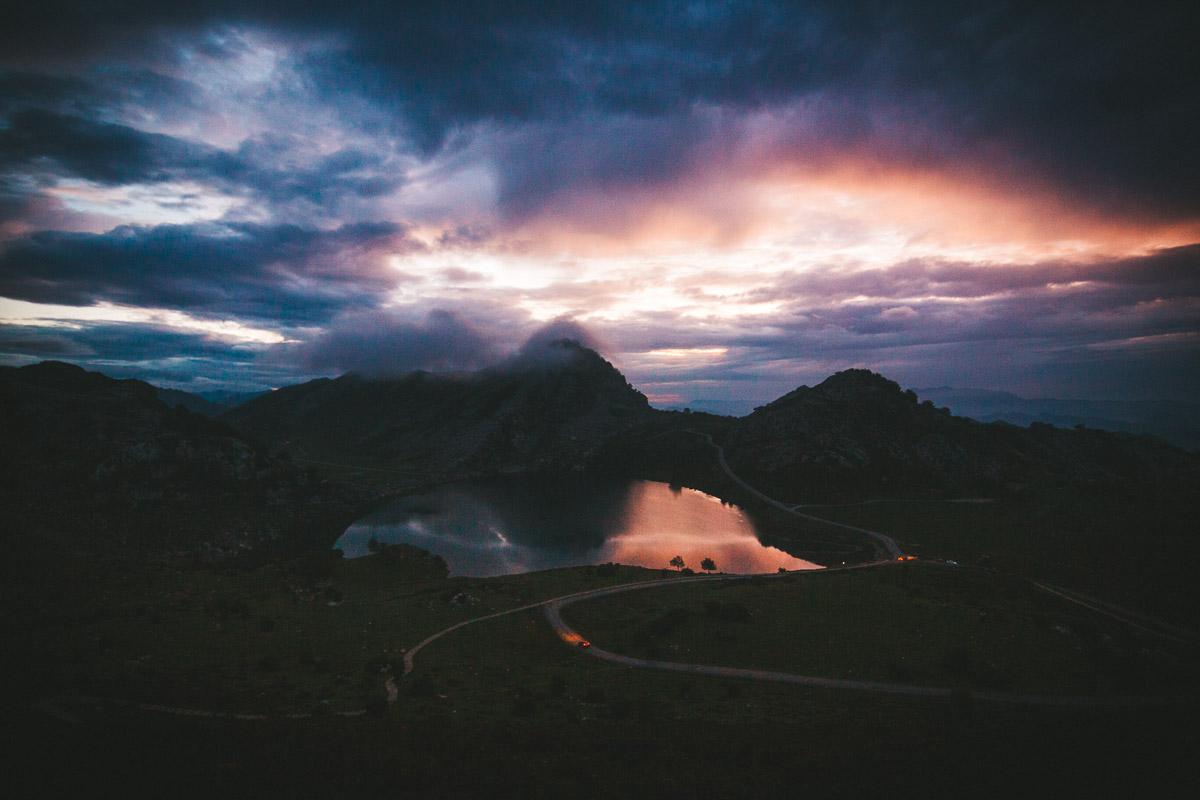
(552,609)
(885,541)
(553,612)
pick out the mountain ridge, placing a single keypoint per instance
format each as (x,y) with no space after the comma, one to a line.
(859,434)
(550,409)
(856,434)
(1175,421)
(94,463)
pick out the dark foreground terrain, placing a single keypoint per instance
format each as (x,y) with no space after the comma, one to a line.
(840,748)
(175,623)
(135,686)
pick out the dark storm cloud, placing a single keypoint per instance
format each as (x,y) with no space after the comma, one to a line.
(1099,98)
(383,343)
(52,144)
(541,341)
(149,352)
(131,342)
(469,337)
(96,151)
(261,165)
(40,342)
(23,90)
(598,154)
(284,273)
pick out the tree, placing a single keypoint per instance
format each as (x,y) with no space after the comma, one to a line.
(677,562)
(708,565)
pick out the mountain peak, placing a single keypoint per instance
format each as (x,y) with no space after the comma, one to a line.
(857,381)
(61,376)
(553,354)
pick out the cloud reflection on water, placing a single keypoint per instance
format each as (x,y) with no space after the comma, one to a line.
(510,525)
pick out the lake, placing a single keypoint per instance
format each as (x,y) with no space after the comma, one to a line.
(503,526)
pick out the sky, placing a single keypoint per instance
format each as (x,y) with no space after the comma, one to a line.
(728,199)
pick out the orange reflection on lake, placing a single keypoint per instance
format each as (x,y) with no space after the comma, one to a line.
(503,526)
(663,522)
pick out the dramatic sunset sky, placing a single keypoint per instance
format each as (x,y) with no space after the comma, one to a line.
(731,198)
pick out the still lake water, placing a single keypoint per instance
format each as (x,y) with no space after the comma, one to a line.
(508,525)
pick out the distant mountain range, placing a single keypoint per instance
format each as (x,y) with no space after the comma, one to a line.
(855,435)
(210,404)
(1177,422)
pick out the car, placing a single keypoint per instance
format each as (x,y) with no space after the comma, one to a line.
(584,643)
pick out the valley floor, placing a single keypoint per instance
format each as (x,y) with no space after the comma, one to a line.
(506,698)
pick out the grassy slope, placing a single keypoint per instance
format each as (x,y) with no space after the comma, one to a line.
(273,639)
(1136,553)
(911,623)
(505,704)
(291,638)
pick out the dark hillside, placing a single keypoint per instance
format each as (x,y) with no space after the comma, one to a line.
(857,434)
(96,465)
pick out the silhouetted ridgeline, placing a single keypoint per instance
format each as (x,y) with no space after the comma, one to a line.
(91,464)
(1176,421)
(210,404)
(858,435)
(552,411)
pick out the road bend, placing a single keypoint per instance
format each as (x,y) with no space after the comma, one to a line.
(888,543)
(553,612)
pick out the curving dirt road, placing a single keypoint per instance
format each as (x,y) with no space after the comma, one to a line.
(887,542)
(411,653)
(553,612)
